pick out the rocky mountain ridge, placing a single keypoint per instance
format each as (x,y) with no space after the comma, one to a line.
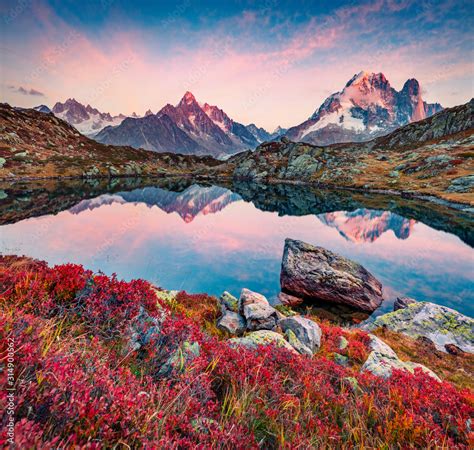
(201,128)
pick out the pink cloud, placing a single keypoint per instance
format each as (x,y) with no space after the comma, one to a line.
(126,70)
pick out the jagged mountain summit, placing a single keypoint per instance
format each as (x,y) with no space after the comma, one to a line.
(188,127)
(86,119)
(366,108)
(215,132)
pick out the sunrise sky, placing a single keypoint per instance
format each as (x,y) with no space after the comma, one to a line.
(268,62)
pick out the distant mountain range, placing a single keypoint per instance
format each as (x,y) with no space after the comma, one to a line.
(366,108)
(189,128)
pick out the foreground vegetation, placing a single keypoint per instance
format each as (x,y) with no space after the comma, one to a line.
(101,362)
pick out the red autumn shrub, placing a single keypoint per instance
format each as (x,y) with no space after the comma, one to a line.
(79,384)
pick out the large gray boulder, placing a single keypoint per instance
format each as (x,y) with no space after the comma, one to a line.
(442,325)
(314,273)
(256,310)
(382,366)
(307,331)
(382,360)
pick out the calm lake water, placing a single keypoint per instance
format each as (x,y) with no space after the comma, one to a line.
(183,235)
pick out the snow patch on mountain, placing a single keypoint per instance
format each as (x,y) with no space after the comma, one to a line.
(86,119)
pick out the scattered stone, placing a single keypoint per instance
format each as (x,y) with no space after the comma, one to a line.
(394,174)
(382,366)
(343,343)
(341,360)
(297,344)
(402,302)
(229,302)
(314,273)
(113,171)
(262,337)
(378,346)
(232,323)
(427,343)
(307,331)
(352,383)
(166,296)
(142,329)
(438,323)
(181,358)
(257,311)
(21,156)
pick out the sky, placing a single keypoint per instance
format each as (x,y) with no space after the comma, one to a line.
(266,62)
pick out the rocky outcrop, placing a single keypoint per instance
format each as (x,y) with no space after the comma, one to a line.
(402,302)
(229,302)
(305,330)
(442,325)
(297,344)
(383,360)
(314,274)
(257,312)
(252,313)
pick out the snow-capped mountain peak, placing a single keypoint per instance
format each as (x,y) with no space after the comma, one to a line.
(367,107)
(86,119)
